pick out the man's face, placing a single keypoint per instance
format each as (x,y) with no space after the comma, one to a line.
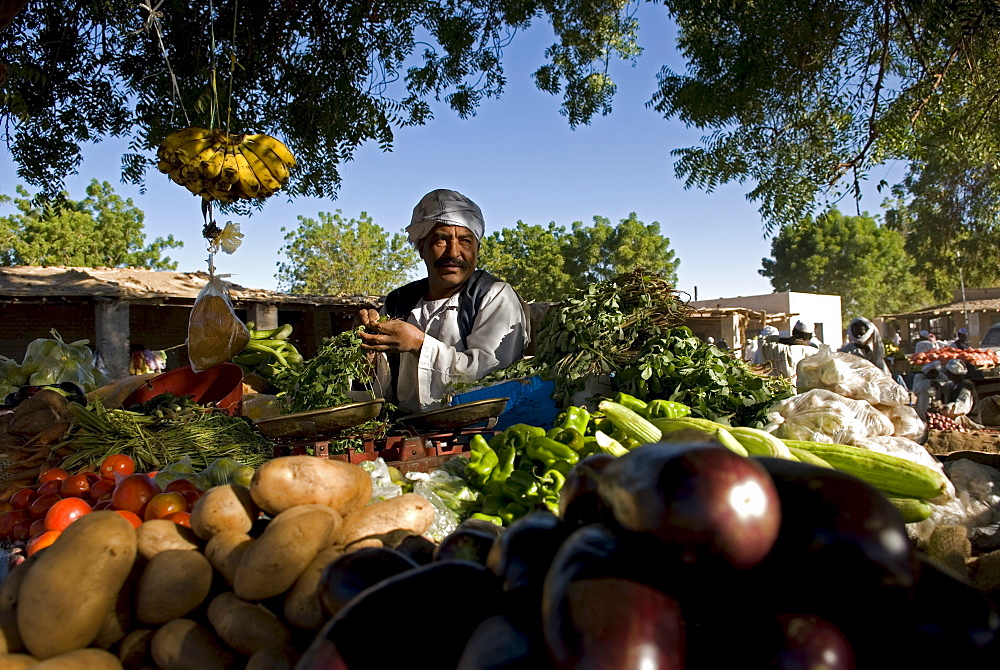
(450,254)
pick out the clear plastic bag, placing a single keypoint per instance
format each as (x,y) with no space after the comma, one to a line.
(383,487)
(976,505)
(215,333)
(850,376)
(51,361)
(906,420)
(824,416)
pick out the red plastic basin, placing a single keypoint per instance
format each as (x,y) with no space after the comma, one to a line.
(220,385)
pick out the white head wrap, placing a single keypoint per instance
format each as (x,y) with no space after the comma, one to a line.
(768,331)
(448,207)
(803,327)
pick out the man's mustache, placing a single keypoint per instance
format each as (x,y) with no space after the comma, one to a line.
(451,263)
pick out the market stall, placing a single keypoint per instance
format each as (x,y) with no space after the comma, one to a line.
(628,487)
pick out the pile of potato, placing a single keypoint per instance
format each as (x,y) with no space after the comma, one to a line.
(237,589)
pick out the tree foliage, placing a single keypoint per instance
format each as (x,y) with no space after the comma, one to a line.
(851,256)
(102,230)
(324,77)
(338,256)
(947,211)
(801,98)
(545,263)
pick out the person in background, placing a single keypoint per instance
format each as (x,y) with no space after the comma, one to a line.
(784,354)
(863,339)
(750,350)
(962,339)
(456,325)
(722,344)
(897,339)
(929,342)
(945,390)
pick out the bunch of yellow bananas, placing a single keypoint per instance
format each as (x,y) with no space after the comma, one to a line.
(219,166)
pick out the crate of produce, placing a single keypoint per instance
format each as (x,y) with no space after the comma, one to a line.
(529,401)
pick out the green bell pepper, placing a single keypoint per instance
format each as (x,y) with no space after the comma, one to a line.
(569,436)
(482,461)
(666,409)
(574,417)
(512,511)
(635,404)
(520,434)
(522,487)
(487,517)
(492,504)
(507,458)
(546,450)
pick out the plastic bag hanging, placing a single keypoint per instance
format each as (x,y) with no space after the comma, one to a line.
(215,333)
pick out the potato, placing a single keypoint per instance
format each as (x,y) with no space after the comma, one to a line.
(121,618)
(409,511)
(222,508)
(158,535)
(10,637)
(134,651)
(246,627)
(16,661)
(71,588)
(277,558)
(173,583)
(289,481)
(183,644)
(274,657)
(302,605)
(224,552)
(90,658)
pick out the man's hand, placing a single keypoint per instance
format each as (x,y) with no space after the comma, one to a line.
(389,337)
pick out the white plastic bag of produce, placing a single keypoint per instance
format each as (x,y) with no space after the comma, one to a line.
(51,361)
(976,505)
(383,487)
(848,375)
(824,416)
(906,420)
(215,333)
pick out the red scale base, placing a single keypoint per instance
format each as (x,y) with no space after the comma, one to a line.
(408,453)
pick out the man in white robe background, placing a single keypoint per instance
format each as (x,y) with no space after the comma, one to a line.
(457,325)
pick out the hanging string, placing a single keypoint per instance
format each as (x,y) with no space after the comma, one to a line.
(153,21)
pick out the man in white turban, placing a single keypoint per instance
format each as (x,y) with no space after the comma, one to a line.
(458,324)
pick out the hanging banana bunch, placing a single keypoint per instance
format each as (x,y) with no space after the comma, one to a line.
(220,166)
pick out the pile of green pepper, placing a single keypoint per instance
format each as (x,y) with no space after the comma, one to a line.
(524,467)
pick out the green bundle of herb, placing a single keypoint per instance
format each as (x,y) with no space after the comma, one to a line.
(326,379)
(155,442)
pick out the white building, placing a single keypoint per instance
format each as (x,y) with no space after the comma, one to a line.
(823,311)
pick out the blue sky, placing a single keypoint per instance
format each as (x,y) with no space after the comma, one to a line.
(518,159)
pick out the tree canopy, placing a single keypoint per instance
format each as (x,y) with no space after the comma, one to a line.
(102,230)
(325,78)
(851,256)
(801,98)
(338,256)
(545,263)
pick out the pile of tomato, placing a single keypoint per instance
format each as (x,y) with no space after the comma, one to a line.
(41,512)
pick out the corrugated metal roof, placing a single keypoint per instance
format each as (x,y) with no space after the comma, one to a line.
(30,283)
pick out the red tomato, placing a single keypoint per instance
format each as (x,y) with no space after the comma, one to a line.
(133,493)
(40,505)
(52,486)
(65,512)
(120,463)
(101,488)
(52,473)
(22,530)
(180,518)
(10,519)
(164,504)
(39,542)
(37,527)
(75,486)
(180,485)
(131,517)
(23,498)
(191,497)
